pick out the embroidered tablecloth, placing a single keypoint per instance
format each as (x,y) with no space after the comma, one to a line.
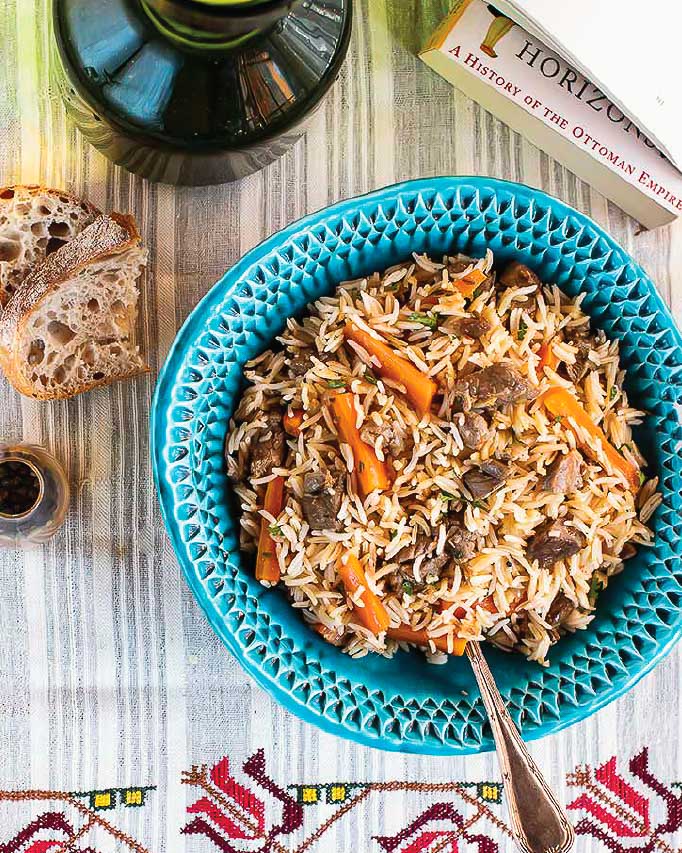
(124,724)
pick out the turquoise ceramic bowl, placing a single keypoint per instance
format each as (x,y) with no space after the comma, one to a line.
(404,703)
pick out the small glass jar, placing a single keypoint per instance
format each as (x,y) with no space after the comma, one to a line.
(34,495)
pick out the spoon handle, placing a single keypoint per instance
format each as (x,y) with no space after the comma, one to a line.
(538,822)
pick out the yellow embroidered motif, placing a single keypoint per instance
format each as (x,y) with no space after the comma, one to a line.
(491,793)
(102,800)
(337,793)
(133,797)
(309,795)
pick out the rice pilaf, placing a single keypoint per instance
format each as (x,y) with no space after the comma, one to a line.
(438,454)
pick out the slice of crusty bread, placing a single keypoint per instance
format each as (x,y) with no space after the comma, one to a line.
(34,222)
(69,326)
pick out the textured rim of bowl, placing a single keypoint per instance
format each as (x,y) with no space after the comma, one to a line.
(184,337)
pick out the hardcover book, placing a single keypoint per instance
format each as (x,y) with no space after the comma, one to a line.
(601,38)
(540,95)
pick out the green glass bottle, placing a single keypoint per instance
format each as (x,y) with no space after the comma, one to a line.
(196,91)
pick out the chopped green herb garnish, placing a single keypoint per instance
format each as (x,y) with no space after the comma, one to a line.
(275,530)
(370,377)
(642,479)
(475,503)
(336,383)
(446,496)
(394,533)
(557,419)
(408,587)
(523,328)
(430,320)
(596,586)
(478,291)
(613,393)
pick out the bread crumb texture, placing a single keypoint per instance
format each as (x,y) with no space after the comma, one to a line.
(34,223)
(70,326)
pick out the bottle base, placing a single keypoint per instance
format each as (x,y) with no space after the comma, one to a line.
(212,119)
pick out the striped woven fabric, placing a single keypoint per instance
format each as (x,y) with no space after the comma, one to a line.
(124,724)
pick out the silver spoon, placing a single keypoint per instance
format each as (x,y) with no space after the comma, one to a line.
(538,822)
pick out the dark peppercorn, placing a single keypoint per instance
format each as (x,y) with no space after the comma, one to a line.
(34,495)
(19,488)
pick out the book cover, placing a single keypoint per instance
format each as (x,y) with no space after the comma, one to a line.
(536,92)
(629,49)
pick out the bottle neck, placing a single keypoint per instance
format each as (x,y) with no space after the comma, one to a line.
(215,24)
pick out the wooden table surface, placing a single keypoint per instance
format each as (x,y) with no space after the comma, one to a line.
(109,674)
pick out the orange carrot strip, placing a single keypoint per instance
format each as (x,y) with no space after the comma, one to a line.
(335,638)
(292,422)
(371,472)
(373,615)
(405,634)
(267,567)
(562,404)
(547,358)
(468,285)
(419,388)
(488,604)
(459,612)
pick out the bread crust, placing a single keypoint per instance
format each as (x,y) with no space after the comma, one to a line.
(37,189)
(106,237)
(14,194)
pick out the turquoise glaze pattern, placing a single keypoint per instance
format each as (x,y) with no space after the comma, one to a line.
(404,703)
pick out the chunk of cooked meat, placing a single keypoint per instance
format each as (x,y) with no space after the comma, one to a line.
(395,438)
(563,475)
(628,551)
(403,579)
(580,367)
(554,541)
(460,545)
(559,610)
(267,446)
(502,640)
(436,567)
(491,387)
(423,544)
(300,364)
(459,264)
(322,496)
(516,274)
(470,327)
(473,429)
(519,627)
(487,478)
(585,341)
